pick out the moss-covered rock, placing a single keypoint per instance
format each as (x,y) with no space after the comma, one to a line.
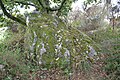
(50,40)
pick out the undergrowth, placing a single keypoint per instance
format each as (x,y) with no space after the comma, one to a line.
(109,40)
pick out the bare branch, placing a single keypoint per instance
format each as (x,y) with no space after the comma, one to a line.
(41,3)
(63,2)
(52,9)
(26,4)
(9,15)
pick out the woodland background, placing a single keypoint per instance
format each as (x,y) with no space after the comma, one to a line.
(58,43)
